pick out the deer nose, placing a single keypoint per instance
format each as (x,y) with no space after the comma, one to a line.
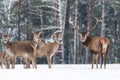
(82,40)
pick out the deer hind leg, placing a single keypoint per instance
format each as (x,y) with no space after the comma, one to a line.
(104,58)
(104,53)
(49,61)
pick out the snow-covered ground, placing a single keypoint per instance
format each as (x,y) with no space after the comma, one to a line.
(62,72)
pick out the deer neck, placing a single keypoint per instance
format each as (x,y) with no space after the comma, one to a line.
(7,43)
(87,42)
(56,44)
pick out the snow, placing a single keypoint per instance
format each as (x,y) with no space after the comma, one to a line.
(62,72)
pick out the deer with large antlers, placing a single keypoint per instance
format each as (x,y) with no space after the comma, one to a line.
(19,49)
(47,50)
(97,45)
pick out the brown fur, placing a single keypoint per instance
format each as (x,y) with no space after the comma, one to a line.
(19,49)
(97,46)
(47,49)
(4,60)
(1,59)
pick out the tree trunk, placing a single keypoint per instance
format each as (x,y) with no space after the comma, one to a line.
(19,20)
(67,44)
(75,33)
(88,25)
(102,24)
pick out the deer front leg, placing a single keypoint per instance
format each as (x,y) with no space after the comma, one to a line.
(101,61)
(34,63)
(92,55)
(7,61)
(13,62)
(97,57)
(27,63)
(49,61)
(1,64)
(104,60)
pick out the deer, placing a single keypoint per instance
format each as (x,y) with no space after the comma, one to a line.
(19,49)
(98,46)
(49,49)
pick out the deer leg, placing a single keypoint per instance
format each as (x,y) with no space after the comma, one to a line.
(49,62)
(13,62)
(27,62)
(34,63)
(7,63)
(101,61)
(1,65)
(104,57)
(92,59)
(104,60)
(97,56)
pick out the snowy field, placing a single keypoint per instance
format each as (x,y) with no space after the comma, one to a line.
(62,72)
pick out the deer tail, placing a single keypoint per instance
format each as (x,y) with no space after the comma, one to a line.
(105,44)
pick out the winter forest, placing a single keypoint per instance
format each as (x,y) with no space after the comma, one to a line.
(20,17)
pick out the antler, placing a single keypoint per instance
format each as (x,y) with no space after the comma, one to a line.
(97,20)
(71,22)
(75,28)
(57,31)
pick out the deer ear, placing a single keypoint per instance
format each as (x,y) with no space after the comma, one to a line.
(40,33)
(54,35)
(77,32)
(88,32)
(2,35)
(33,32)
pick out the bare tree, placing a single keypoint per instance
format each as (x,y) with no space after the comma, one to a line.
(102,24)
(75,33)
(88,25)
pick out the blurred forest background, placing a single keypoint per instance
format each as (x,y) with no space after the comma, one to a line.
(20,17)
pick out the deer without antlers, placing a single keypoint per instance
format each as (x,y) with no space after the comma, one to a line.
(97,45)
(19,49)
(47,49)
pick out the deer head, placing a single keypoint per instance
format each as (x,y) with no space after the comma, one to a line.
(36,36)
(57,36)
(84,35)
(5,38)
